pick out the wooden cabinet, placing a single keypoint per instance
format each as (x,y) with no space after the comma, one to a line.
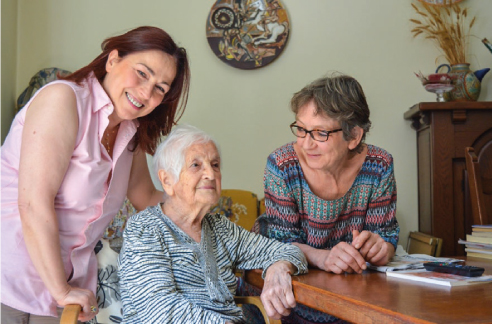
(444,129)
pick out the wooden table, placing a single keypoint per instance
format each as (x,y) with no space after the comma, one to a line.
(372,298)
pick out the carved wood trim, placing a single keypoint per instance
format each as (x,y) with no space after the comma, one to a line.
(459,116)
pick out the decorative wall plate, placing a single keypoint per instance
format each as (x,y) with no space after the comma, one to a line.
(247,34)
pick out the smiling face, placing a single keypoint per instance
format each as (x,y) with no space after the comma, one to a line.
(329,155)
(199,184)
(138,82)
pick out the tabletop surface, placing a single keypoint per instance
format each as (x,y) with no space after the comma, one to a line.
(374,298)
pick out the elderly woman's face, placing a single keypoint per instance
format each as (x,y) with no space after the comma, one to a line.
(321,155)
(199,183)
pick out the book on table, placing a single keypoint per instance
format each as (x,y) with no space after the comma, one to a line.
(482,234)
(479,255)
(479,243)
(409,262)
(475,244)
(438,278)
(478,250)
(479,239)
(482,228)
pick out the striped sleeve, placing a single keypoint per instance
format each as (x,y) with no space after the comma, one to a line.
(148,296)
(254,251)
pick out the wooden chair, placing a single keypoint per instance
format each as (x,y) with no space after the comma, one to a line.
(420,243)
(262,206)
(239,206)
(479,187)
(255,300)
(71,312)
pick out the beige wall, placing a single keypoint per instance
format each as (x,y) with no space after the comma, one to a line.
(247,111)
(9,62)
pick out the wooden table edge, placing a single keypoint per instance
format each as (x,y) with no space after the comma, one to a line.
(343,307)
(339,306)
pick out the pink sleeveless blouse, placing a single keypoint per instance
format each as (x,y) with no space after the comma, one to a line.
(84,204)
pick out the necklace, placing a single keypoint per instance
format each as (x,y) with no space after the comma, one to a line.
(107,144)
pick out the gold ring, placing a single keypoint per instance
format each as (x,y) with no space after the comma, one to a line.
(93,309)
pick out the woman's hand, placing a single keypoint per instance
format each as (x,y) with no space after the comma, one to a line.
(277,296)
(372,247)
(83,297)
(341,258)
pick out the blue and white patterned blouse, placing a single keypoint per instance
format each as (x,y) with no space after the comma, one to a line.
(167,277)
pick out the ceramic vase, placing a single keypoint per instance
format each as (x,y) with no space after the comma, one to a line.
(466,84)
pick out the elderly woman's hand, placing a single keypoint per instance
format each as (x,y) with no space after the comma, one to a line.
(372,247)
(277,296)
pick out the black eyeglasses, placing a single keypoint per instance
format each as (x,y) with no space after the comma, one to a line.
(316,134)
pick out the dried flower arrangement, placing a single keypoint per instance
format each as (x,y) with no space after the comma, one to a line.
(447,26)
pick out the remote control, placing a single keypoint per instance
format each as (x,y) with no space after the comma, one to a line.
(454,268)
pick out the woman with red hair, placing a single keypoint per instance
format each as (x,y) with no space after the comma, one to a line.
(72,155)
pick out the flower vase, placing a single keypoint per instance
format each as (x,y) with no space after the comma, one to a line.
(466,84)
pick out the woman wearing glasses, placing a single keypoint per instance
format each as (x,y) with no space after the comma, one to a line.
(329,193)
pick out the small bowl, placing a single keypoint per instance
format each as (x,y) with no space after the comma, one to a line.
(439,88)
(434,78)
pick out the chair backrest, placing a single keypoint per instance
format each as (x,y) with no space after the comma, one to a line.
(479,187)
(37,81)
(420,243)
(262,207)
(239,206)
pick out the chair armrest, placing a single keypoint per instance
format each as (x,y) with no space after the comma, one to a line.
(255,300)
(70,314)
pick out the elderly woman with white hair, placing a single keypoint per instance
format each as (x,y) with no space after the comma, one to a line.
(177,262)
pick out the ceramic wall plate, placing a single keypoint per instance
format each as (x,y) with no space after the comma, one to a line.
(247,34)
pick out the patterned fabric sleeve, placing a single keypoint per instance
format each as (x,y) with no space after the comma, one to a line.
(281,218)
(381,212)
(253,251)
(148,295)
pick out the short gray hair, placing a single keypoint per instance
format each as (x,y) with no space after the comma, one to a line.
(339,97)
(170,154)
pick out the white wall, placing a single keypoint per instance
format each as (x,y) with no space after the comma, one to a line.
(247,111)
(9,61)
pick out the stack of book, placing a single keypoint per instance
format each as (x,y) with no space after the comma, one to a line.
(479,243)
(443,279)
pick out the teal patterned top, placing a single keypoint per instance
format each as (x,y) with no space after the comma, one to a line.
(295,214)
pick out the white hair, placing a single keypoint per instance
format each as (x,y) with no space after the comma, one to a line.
(171,153)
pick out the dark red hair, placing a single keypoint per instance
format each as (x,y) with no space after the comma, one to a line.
(160,121)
